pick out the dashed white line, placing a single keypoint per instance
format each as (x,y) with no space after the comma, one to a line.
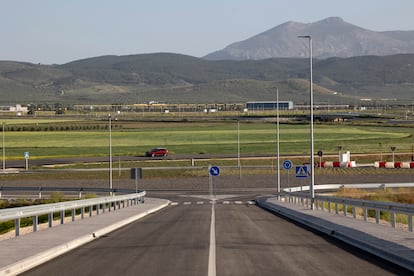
(226,202)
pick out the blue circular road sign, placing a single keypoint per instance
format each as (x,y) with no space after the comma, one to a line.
(287,164)
(214,171)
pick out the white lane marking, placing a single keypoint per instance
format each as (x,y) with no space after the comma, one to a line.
(200,202)
(238,202)
(226,202)
(187,203)
(174,203)
(212,251)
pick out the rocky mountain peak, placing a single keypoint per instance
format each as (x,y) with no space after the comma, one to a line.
(332,37)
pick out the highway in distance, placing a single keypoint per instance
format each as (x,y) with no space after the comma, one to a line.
(248,241)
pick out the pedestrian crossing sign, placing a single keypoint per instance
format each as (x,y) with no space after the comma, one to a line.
(301,171)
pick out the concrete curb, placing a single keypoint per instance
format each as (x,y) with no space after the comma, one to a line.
(56,251)
(382,252)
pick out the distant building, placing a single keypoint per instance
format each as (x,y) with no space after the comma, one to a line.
(269,105)
(18,109)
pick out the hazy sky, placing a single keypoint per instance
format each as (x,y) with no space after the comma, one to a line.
(58,31)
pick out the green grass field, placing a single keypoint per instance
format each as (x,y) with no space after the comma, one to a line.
(206,138)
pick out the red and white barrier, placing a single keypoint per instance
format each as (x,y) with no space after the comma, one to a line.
(377,164)
(336,164)
(394,165)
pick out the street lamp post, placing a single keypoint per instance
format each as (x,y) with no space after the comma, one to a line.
(311,188)
(277,138)
(4,152)
(110,154)
(238,148)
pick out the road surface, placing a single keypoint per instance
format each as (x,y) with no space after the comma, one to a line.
(248,241)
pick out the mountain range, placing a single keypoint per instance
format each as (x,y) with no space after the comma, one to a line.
(365,65)
(332,37)
(175,78)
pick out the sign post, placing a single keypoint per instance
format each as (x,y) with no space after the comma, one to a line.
(213,171)
(301,172)
(287,165)
(26,157)
(320,154)
(136,173)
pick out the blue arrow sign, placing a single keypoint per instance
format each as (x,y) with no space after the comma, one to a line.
(287,164)
(214,171)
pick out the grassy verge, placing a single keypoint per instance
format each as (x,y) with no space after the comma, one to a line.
(397,195)
(207,138)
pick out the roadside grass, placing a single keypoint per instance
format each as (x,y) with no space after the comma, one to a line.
(183,168)
(397,195)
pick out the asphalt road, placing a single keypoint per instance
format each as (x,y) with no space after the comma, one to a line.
(248,241)
(251,241)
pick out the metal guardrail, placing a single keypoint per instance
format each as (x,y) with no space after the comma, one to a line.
(79,190)
(334,187)
(346,205)
(98,205)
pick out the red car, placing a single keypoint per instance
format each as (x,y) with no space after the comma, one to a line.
(157,152)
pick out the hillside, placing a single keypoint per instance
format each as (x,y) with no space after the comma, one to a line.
(178,78)
(332,37)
